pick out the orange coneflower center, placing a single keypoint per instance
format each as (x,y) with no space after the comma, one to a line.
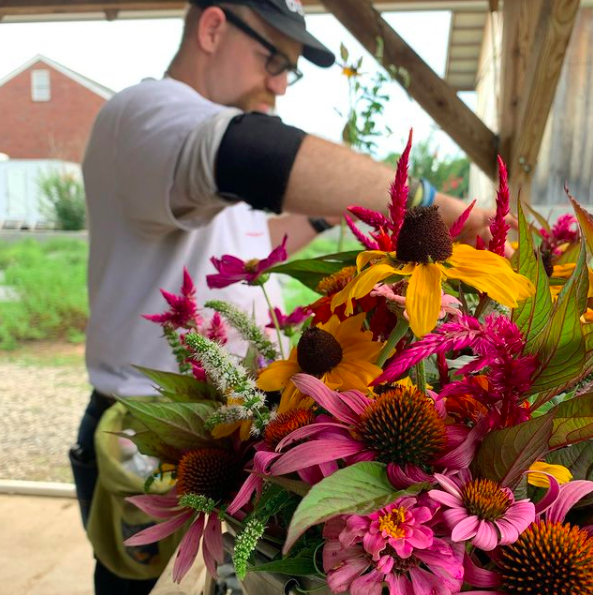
(486,499)
(336,282)
(318,352)
(424,237)
(403,427)
(549,559)
(392,521)
(212,472)
(286,423)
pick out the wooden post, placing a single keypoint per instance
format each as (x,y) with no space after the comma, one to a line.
(438,99)
(555,21)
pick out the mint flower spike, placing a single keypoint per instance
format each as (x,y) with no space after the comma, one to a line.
(245,544)
(229,377)
(246,327)
(198,502)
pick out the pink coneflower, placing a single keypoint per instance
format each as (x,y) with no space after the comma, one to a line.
(402,428)
(206,477)
(234,270)
(395,546)
(482,511)
(550,557)
(183,311)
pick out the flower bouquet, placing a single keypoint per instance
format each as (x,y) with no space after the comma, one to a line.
(428,431)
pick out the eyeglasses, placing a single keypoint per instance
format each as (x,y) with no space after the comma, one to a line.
(277,62)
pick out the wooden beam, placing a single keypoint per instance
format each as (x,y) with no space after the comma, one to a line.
(550,42)
(438,99)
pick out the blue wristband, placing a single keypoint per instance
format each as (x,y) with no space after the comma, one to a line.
(428,193)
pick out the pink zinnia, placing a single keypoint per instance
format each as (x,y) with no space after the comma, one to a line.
(183,311)
(482,511)
(402,428)
(234,270)
(396,546)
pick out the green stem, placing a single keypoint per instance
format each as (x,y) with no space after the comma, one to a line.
(421,376)
(395,337)
(342,236)
(484,301)
(275,320)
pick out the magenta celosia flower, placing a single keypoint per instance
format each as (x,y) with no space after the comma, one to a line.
(402,428)
(498,226)
(183,312)
(481,511)
(549,556)
(395,546)
(498,346)
(288,322)
(564,231)
(216,330)
(234,270)
(168,507)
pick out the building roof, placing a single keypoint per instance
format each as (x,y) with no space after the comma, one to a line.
(91,85)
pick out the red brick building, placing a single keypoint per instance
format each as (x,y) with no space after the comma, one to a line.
(47,111)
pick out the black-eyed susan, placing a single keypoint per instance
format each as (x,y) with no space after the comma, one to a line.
(340,354)
(426,254)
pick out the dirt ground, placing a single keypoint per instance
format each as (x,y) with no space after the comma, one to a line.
(43,393)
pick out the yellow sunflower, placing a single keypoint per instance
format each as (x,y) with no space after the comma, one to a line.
(426,253)
(340,354)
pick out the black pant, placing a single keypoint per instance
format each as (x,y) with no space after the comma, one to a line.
(84,469)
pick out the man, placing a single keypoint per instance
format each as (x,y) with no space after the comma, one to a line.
(182,169)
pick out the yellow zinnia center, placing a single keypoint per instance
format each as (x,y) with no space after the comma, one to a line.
(392,521)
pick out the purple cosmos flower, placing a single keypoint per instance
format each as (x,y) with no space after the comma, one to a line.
(481,511)
(402,428)
(234,270)
(183,311)
(167,507)
(288,322)
(396,546)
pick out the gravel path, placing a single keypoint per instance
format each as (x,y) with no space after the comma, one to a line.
(42,398)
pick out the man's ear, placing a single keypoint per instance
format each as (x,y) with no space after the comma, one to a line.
(211,28)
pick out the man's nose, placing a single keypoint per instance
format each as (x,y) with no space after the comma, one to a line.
(278,84)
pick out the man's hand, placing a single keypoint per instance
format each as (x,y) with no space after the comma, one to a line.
(478,224)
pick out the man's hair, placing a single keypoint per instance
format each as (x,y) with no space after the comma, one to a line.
(194,12)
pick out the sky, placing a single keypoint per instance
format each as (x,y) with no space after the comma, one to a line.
(120,53)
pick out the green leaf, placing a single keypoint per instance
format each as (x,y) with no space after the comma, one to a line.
(532,314)
(539,218)
(150,444)
(577,458)
(180,425)
(180,387)
(300,488)
(505,454)
(361,488)
(311,271)
(344,53)
(585,220)
(573,421)
(560,346)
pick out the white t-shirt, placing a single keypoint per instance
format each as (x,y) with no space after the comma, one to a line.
(153,209)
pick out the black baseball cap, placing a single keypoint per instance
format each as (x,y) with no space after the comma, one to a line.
(286,16)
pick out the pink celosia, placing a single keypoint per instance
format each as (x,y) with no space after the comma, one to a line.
(457,227)
(168,507)
(395,546)
(399,192)
(564,231)
(217,330)
(498,226)
(234,270)
(183,312)
(481,511)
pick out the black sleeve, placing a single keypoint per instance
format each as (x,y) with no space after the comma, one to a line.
(254,160)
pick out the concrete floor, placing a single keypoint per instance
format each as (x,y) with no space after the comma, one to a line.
(43,549)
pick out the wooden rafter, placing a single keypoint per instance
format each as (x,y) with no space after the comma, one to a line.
(537,87)
(436,97)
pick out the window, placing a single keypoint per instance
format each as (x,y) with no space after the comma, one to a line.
(40,85)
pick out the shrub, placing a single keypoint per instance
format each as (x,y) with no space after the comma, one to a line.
(63,194)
